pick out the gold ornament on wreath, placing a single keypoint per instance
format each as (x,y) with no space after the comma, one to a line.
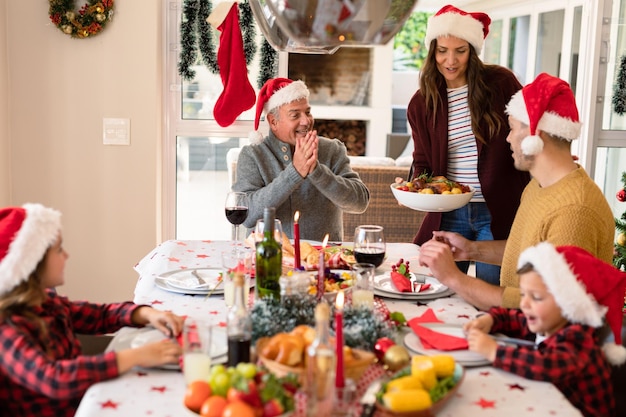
(88,21)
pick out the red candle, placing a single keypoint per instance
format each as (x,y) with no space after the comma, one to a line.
(320,270)
(340,381)
(296,239)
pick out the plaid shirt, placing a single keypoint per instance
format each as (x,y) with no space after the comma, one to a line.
(35,384)
(571,359)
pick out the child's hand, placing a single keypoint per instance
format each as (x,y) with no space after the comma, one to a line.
(482,323)
(150,355)
(169,323)
(482,343)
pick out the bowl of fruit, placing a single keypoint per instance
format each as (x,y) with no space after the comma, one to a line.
(242,391)
(421,389)
(436,194)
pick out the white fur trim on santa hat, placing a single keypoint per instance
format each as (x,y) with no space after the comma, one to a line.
(454,24)
(516,108)
(532,145)
(255,137)
(559,126)
(297,90)
(39,230)
(616,354)
(570,294)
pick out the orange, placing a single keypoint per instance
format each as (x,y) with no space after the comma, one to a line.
(238,409)
(213,406)
(197,392)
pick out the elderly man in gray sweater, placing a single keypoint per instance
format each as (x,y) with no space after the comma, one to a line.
(294,169)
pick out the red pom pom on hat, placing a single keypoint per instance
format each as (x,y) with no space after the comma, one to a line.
(547,104)
(452,21)
(587,289)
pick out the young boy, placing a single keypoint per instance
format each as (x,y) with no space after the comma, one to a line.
(568,299)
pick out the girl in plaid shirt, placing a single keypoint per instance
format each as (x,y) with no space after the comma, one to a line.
(42,370)
(570,301)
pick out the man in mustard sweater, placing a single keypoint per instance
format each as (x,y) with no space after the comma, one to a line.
(561,204)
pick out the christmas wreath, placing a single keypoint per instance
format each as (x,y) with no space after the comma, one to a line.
(88,21)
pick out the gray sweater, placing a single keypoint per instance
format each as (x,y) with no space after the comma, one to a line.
(266,174)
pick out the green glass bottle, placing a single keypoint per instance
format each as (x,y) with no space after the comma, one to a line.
(269,259)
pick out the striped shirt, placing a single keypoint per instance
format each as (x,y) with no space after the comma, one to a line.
(462,151)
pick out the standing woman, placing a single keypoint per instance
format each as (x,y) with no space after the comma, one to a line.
(459,130)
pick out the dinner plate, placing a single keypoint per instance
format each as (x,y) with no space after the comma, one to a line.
(219,343)
(384,283)
(186,280)
(413,296)
(464,357)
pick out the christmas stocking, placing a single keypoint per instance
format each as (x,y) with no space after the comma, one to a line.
(238,95)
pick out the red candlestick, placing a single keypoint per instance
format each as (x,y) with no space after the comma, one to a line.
(340,381)
(320,270)
(296,239)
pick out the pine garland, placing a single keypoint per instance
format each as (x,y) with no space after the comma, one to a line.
(362,327)
(268,64)
(90,20)
(194,28)
(619,257)
(619,90)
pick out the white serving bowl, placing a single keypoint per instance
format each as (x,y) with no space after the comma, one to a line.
(431,202)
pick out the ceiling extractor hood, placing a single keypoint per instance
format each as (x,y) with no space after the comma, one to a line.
(323,26)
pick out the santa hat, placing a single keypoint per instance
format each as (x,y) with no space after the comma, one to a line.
(26,233)
(451,21)
(274,93)
(547,104)
(586,288)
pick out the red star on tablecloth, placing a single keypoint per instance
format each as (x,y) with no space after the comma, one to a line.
(482,403)
(214,312)
(179,243)
(206,241)
(160,389)
(109,404)
(140,373)
(172,259)
(222,324)
(463,316)
(517,386)
(202,256)
(154,302)
(485,373)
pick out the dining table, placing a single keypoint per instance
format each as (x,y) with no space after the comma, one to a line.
(484,390)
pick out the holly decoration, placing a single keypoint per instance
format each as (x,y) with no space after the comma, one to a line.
(619,256)
(88,21)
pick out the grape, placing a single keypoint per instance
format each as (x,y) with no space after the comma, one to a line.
(247,370)
(217,369)
(219,383)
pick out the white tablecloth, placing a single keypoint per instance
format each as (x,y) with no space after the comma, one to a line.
(485,391)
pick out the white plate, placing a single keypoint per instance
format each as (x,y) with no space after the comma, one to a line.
(184,279)
(384,283)
(464,357)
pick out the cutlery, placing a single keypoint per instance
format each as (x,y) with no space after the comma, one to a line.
(200,280)
(214,288)
(368,401)
(417,281)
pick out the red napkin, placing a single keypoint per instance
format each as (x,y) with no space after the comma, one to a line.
(434,340)
(402,283)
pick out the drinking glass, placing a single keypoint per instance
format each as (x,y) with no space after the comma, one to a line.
(363,291)
(369,244)
(196,350)
(236,208)
(237,260)
(278,231)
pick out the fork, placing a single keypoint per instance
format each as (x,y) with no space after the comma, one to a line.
(200,280)
(417,280)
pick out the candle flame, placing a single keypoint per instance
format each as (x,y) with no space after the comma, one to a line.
(325,242)
(296,216)
(339,300)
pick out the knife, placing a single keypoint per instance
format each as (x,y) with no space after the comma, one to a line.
(368,401)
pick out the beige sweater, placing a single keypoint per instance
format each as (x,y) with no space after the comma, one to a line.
(571,212)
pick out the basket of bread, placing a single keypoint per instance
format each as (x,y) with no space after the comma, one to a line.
(285,353)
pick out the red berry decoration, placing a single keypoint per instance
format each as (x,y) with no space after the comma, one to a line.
(381,346)
(621,195)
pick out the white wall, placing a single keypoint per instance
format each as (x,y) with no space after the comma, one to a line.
(59,89)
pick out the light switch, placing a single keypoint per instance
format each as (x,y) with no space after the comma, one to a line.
(115,131)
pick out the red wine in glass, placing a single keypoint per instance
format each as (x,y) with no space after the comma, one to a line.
(236,215)
(369,244)
(370,256)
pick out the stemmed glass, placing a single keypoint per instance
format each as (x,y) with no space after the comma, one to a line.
(369,244)
(236,208)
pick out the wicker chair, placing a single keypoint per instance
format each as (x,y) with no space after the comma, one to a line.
(400,223)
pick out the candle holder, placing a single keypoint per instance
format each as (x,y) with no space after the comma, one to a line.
(345,397)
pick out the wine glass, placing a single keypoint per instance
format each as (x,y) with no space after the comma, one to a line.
(369,244)
(236,208)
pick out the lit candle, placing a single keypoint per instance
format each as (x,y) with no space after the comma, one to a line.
(296,239)
(339,377)
(320,271)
